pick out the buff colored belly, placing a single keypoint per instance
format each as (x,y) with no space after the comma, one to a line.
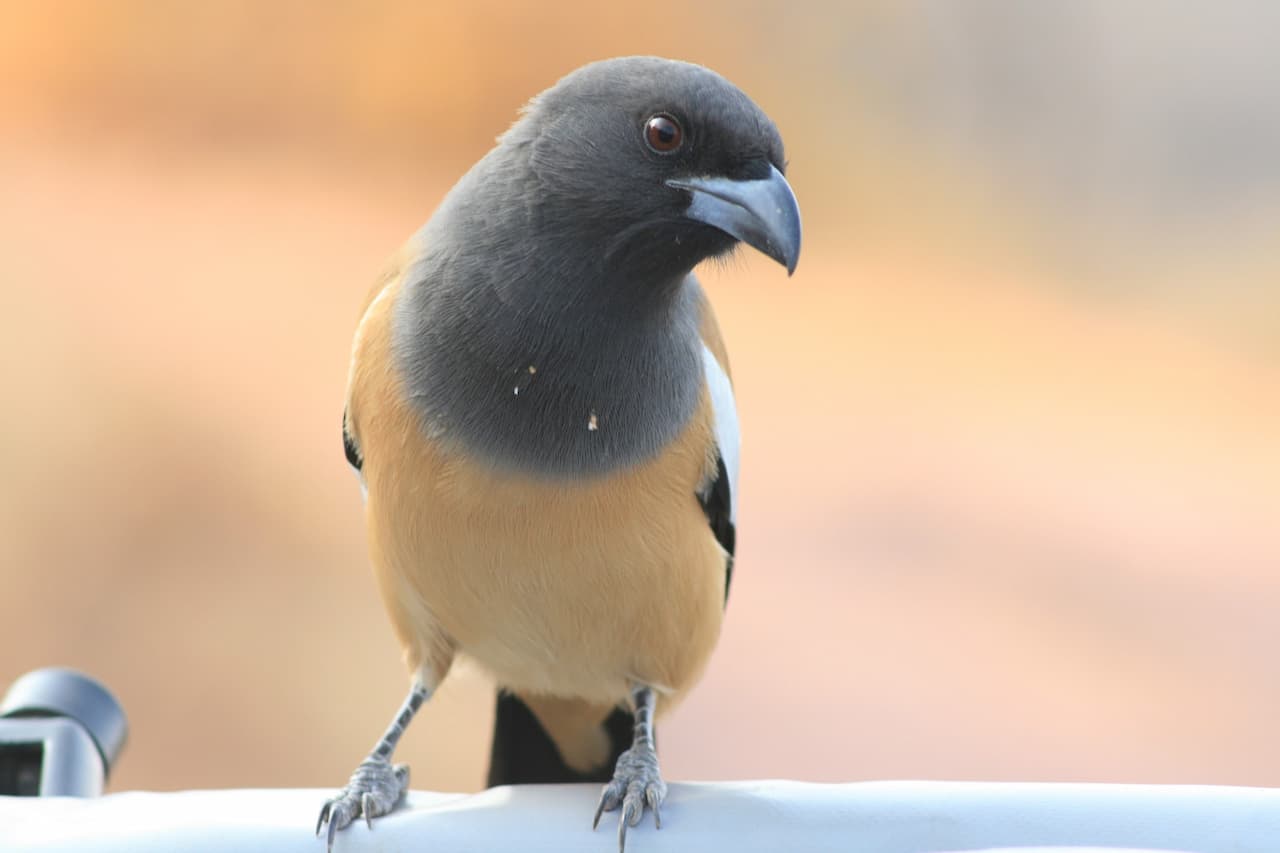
(570,591)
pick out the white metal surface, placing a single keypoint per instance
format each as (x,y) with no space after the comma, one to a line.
(875,817)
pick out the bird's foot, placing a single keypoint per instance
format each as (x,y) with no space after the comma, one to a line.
(637,784)
(374,790)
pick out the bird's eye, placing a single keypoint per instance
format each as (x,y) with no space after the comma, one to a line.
(663,133)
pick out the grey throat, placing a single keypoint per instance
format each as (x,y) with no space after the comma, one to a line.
(521,357)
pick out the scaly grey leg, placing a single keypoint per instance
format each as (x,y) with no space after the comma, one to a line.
(376,786)
(637,781)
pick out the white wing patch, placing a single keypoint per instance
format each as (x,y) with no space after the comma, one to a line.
(726,416)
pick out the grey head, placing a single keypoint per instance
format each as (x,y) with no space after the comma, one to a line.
(551,323)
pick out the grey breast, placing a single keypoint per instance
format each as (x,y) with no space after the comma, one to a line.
(578,389)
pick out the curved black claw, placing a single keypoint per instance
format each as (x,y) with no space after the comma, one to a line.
(637,784)
(374,790)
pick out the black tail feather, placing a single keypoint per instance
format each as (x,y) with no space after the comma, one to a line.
(523,753)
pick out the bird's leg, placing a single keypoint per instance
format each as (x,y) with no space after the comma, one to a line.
(376,786)
(637,781)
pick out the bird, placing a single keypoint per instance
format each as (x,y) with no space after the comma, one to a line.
(540,412)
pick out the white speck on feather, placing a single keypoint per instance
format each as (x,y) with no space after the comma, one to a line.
(524,380)
(593,423)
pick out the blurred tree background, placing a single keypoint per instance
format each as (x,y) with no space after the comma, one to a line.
(1012,432)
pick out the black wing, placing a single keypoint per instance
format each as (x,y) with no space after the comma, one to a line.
(717,503)
(349,446)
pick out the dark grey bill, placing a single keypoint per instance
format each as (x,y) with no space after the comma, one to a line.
(761,213)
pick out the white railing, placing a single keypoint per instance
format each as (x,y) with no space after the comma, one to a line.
(742,817)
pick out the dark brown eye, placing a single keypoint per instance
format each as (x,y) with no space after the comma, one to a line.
(663,134)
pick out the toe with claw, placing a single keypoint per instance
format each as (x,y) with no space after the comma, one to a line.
(373,791)
(637,784)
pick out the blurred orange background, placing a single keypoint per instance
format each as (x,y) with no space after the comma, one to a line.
(1012,433)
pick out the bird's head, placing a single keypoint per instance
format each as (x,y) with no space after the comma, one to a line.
(666,163)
